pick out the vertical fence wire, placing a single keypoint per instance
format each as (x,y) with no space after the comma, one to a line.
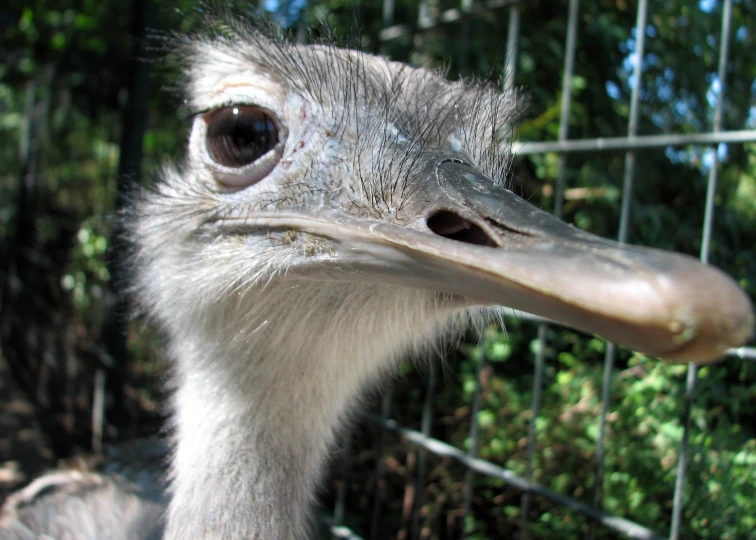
(387,18)
(513,39)
(422,458)
(473,450)
(564,111)
(564,124)
(535,409)
(711,190)
(380,466)
(632,128)
(388,13)
(424,18)
(463,53)
(341,494)
(624,227)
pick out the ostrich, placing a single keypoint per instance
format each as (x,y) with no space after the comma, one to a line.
(334,212)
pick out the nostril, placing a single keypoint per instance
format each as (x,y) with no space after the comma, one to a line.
(447,223)
(455,227)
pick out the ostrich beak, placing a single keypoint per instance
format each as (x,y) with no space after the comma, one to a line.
(464,235)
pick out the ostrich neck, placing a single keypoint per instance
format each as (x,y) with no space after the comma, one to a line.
(256,415)
(248,459)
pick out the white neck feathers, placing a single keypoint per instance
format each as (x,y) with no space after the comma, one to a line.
(264,380)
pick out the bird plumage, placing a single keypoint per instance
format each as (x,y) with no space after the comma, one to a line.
(122,500)
(372,221)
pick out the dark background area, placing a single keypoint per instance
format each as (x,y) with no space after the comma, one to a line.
(87,107)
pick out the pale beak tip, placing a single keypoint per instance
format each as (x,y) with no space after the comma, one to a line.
(722,318)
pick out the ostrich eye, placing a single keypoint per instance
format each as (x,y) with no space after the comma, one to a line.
(240,135)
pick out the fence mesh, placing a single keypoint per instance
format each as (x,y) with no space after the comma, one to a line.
(430,16)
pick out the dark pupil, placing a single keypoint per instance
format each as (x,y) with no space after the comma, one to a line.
(238,136)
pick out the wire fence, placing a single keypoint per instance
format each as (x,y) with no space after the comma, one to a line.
(631,144)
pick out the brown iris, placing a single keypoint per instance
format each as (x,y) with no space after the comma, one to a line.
(239,135)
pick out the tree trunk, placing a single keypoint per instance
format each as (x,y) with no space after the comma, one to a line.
(134,125)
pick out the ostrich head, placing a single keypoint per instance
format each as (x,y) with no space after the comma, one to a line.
(334,211)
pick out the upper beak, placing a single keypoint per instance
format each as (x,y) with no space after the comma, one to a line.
(464,235)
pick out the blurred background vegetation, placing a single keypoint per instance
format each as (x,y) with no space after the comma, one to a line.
(86,107)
